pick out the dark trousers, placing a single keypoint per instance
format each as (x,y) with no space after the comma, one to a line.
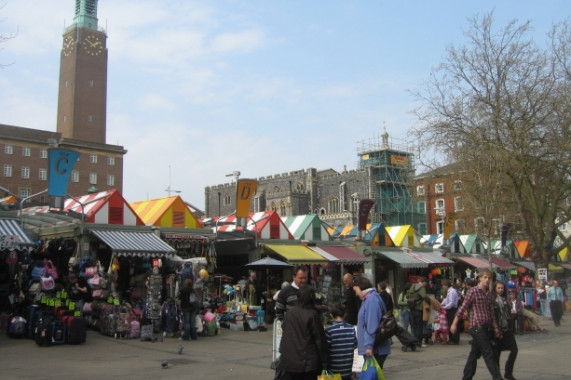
(507,343)
(450,313)
(556,308)
(416,324)
(481,346)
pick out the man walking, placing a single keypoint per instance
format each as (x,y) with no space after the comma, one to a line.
(415,298)
(287,298)
(483,325)
(351,302)
(555,301)
(450,304)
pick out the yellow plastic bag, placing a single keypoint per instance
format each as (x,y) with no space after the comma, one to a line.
(327,375)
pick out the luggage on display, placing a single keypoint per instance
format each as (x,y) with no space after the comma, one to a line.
(44,330)
(171,316)
(58,332)
(17,327)
(147,332)
(135,331)
(76,329)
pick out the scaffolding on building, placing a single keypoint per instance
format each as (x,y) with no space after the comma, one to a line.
(391,171)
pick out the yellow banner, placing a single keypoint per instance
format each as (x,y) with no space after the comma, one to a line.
(245,190)
(399,160)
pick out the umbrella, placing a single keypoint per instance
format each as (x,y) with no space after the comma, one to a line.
(267,263)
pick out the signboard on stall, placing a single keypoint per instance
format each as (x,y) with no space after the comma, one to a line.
(9,241)
(542,274)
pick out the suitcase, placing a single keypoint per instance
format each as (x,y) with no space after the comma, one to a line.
(59,330)
(135,330)
(76,329)
(108,322)
(43,334)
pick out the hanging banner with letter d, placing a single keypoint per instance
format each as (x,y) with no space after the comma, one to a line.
(61,162)
(245,190)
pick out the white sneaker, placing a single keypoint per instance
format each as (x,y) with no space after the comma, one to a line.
(423,345)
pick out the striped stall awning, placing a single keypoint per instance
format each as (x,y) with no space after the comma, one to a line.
(529,265)
(428,257)
(12,236)
(297,254)
(475,262)
(401,258)
(134,243)
(340,254)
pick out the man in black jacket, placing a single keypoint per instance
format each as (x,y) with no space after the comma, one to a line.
(351,302)
(287,298)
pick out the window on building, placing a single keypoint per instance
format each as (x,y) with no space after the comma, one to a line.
(8,149)
(273,206)
(43,175)
(440,207)
(90,118)
(333,205)
(43,153)
(458,204)
(227,200)
(440,227)
(298,187)
(26,151)
(25,172)
(93,158)
(93,178)
(479,225)
(422,228)
(355,203)
(74,176)
(460,226)
(282,209)
(420,190)
(111,161)
(458,185)
(439,188)
(110,180)
(24,192)
(322,211)
(7,170)
(421,207)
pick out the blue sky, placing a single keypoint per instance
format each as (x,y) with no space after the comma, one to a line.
(261,87)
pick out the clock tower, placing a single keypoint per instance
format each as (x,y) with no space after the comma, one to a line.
(82,100)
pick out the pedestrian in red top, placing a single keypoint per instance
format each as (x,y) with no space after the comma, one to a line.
(483,326)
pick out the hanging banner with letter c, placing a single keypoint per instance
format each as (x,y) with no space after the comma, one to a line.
(61,162)
(245,190)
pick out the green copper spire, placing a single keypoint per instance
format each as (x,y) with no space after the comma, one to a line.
(85,14)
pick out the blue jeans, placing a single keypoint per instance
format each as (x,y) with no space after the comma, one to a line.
(405,318)
(481,346)
(188,325)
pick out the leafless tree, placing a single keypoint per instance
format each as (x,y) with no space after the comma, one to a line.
(500,107)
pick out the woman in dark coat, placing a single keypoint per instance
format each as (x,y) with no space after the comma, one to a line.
(303,347)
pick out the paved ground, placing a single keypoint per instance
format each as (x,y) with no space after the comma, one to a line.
(247,355)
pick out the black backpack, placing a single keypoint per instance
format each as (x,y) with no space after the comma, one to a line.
(386,329)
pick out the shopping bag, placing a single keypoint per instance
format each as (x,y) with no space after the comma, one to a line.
(327,375)
(371,370)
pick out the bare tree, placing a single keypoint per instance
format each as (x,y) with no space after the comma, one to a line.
(499,106)
(3,39)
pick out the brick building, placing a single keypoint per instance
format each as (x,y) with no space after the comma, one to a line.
(80,124)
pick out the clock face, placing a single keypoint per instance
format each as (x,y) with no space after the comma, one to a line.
(68,46)
(93,45)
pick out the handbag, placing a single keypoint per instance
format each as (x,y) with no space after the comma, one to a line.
(47,282)
(371,370)
(50,269)
(91,271)
(327,375)
(37,270)
(386,329)
(94,282)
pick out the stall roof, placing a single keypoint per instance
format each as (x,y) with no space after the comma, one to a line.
(404,236)
(401,258)
(502,264)
(13,236)
(529,265)
(523,248)
(134,243)
(341,254)
(475,262)
(306,227)
(429,257)
(297,254)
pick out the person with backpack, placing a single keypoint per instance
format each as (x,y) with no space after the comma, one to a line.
(370,313)
(404,312)
(189,306)
(416,295)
